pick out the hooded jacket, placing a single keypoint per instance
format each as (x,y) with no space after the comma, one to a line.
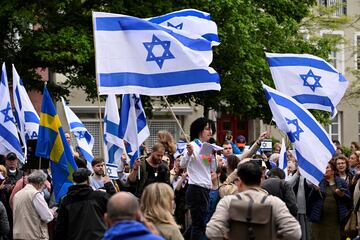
(129,230)
(81,214)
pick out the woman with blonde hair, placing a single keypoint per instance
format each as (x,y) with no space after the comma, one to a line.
(157,206)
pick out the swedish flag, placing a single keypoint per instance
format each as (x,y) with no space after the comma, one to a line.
(52,144)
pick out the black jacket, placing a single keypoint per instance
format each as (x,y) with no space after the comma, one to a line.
(281,189)
(81,214)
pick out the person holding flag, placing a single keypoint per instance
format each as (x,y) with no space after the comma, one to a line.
(199,168)
(152,169)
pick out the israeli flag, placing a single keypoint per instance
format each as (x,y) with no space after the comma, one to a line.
(282,157)
(114,145)
(180,147)
(312,145)
(26,117)
(112,171)
(9,137)
(309,79)
(83,137)
(192,21)
(137,56)
(133,127)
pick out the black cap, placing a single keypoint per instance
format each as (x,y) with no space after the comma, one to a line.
(11,156)
(81,175)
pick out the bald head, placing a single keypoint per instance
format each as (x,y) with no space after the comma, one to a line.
(122,206)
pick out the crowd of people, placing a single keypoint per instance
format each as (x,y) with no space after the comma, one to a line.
(175,193)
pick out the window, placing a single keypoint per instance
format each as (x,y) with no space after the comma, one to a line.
(334,129)
(357,50)
(157,125)
(93,126)
(339,4)
(337,56)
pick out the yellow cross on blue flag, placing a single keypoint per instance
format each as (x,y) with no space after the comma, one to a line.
(52,144)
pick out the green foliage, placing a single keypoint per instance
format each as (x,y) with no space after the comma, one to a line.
(346,151)
(63,42)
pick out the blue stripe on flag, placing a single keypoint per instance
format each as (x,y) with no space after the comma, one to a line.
(158,80)
(112,128)
(191,13)
(10,138)
(211,37)
(76,124)
(303,117)
(309,168)
(130,23)
(111,153)
(124,118)
(122,24)
(133,158)
(31,117)
(88,137)
(141,122)
(317,99)
(285,160)
(86,155)
(299,61)
(18,97)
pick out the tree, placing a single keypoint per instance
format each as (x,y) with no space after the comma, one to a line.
(58,35)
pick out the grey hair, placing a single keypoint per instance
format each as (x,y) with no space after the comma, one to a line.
(37,177)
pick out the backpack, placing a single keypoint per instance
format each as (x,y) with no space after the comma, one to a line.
(250,220)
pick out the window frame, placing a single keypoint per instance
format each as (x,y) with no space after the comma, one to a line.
(341,49)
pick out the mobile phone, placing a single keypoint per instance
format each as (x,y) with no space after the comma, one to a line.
(228,135)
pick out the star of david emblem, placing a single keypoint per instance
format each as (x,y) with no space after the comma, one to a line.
(108,171)
(6,113)
(179,26)
(296,134)
(154,45)
(34,135)
(316,78)
(79,135)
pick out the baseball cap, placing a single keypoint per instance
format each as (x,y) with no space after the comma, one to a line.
(11,156)
(240,139)
(81,175)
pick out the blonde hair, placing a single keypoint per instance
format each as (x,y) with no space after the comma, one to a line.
(156,203)
(166,139)
(3,170)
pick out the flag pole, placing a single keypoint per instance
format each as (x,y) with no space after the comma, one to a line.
(40,158)
(97,92)
(102,146)
(177,120)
